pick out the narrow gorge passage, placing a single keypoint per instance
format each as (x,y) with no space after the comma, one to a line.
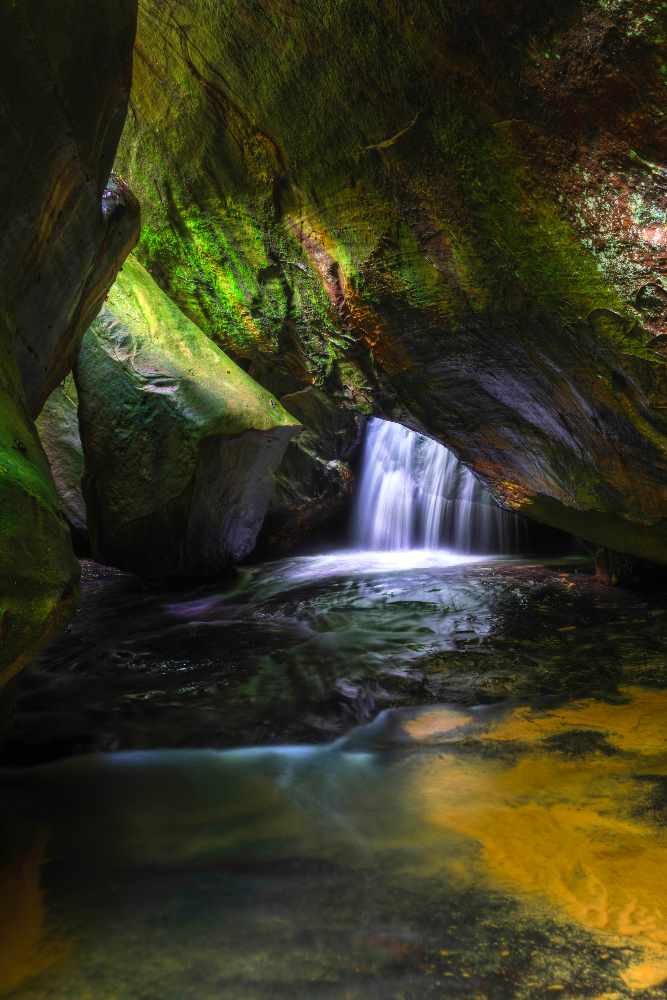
(333,500)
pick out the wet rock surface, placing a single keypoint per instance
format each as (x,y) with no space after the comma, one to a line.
(315,481)
(299,651)
(454,215)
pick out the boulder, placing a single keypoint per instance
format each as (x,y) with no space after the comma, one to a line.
(38,572)
(455,212)
(180,443)
(315,480)
(65,77)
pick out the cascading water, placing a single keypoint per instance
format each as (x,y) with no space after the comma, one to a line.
(414,493)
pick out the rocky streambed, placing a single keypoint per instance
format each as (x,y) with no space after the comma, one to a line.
(303,649)
(449,781)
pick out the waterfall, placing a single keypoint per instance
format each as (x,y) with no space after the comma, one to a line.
(414,493)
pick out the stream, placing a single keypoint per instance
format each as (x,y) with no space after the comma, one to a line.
(474,806)
(401,770)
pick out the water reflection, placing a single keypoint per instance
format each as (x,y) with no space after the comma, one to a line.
(567,830)
(425,854)
(301,650)
(27,947)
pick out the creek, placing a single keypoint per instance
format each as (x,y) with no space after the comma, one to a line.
(404,773)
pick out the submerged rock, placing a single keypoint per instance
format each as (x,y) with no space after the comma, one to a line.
(65,78)
(180,444)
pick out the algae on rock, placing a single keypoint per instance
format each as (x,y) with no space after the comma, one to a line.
(407,207)
(38,572)
(65,77)
(180,443)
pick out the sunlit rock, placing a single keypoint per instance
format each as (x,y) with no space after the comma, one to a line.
(180,444)
(460,216)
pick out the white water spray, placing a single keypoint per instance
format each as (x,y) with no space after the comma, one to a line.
(415,494)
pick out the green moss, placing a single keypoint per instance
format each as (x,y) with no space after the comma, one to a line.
(228,401)
(243,278)
(38,571)
(181,444)
(329,193)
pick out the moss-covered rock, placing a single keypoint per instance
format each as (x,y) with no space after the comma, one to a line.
(180,443)
(38,572)
(453,211)
(65,78)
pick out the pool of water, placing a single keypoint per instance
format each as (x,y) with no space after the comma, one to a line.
(303,649)
(443,851)
(351,776)
(290,649)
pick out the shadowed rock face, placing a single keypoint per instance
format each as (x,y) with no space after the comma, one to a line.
(180,444)
(65,79)
(315,481)
(58,428)
(453,214)
(63,233)
(37,569)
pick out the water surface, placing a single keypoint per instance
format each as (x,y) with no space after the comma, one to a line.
(488,852)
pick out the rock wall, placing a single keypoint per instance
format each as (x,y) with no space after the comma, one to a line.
(65,79)
(315,481)
(451,211)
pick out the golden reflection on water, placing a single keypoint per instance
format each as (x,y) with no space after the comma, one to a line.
(506,804)
(26,948)
(436,722)
(638,726)
(569,832)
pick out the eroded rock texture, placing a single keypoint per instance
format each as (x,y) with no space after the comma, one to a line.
(452,212)
(180,443)
(315,480)
(64,78)
(58,429)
